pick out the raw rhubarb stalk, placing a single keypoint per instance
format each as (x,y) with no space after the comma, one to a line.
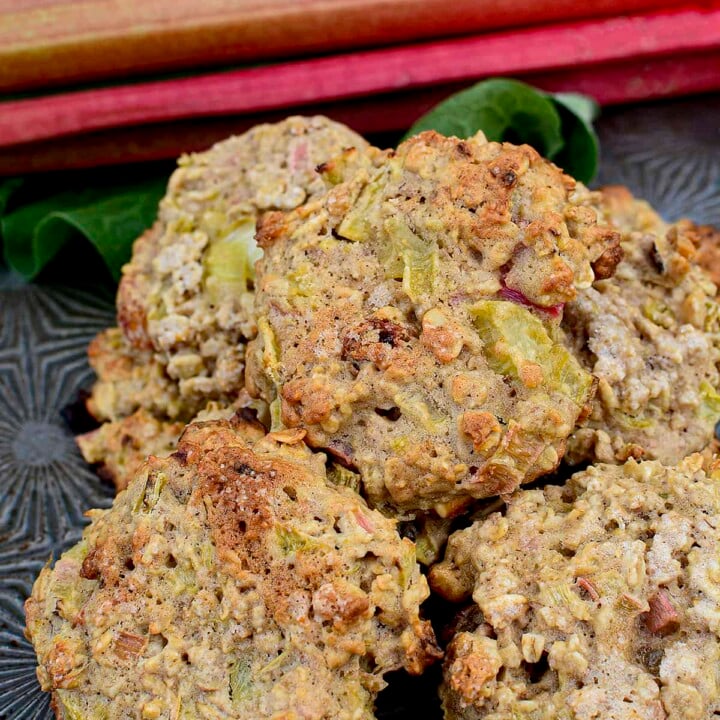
(569,46)
(608,84)
(45,42)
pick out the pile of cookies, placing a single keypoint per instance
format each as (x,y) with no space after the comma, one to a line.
(335,368)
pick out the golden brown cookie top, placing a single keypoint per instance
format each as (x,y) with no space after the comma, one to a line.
(407,319)
(230,577)
(119,448)
(498,211)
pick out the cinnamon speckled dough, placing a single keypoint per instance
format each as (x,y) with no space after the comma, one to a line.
(407,318)
(599,599)
(230,581)
(120,447)
(650,335)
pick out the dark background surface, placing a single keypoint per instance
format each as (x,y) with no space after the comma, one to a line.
(667,152)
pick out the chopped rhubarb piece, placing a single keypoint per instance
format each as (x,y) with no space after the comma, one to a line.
(364,522)
(589,588)
(298,157)
(663,618)
(507,293)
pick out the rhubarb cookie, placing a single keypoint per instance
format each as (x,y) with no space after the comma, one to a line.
(185,303)
(650,335)
(230,581)
(187,293)
(596,599)
(408,318)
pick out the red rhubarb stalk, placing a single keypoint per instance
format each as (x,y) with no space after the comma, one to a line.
(567,46)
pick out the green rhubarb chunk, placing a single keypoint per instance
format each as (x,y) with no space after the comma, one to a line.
(421,412)
(276,422)
(150,494)
(412,258)
(562,595)
(431,539)
(338,475)
(270,350)
(710,407)
(74,709)
(230,261)
(634,422)
(241,683)
(357,224)
(658,313)
(290,541)
(513,337)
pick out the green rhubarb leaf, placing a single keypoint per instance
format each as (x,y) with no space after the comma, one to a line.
(580,154)
(503,110)
(558,126)
(109,218)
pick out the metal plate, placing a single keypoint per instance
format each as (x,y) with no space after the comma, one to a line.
(666,152)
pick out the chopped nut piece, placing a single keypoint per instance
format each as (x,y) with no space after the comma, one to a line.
(483,429)
(531,374)
(442,336)
(289,437)
(663,618)
(567,657)
(474,660)
(129,646)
